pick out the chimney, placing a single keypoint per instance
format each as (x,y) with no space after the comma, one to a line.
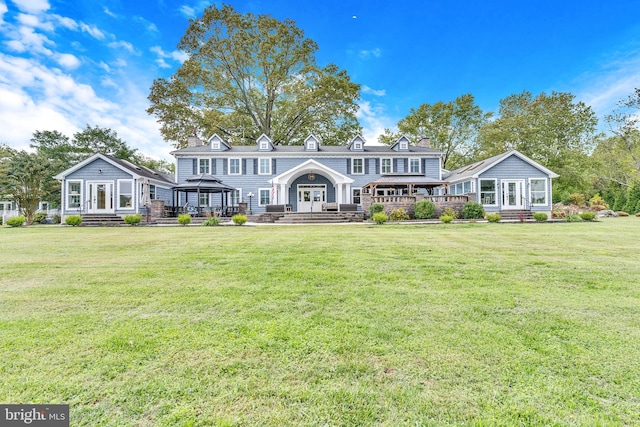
(193,141)
(424,142)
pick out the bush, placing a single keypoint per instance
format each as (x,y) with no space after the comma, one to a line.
(472,210)
(380,218)
(184,219)
(16,221)
(239,219)
(597,203)
(40,218)
(399,215)
(1,219)
(576,199)
(588,216)
(133,219)
(73,220)
(211,221)
(56,219)
(376,208)
(494,217)
(573,218)
(424,209)
(540,216)
(450,212)
(446,218)
(558,213)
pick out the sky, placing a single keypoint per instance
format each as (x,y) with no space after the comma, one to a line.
(65,64)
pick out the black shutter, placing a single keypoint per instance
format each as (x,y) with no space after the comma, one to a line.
(424,166)
(348,166)
(243,170)
(213,166)
(225,167)
(395,165)
(366,166)
(377,166)
(195,166)
(273,166)
(255,166)
(406,165)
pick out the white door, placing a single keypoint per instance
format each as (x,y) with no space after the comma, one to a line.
(100,197)
(513,194)
(311,197)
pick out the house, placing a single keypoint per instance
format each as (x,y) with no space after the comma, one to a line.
(509,181)
(304,178)
(103,184)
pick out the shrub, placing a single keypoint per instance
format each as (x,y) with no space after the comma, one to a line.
(446,218)
(1,219)
(16,221)
(558,213)
(565,199)
(424,209)
(56,219)
(380,218)
(211,221)
(239,219)
(40,218)
(184,219)
(597,203)
(540,216)
(73,220)
(588,216)
(399,215)
(450,212)
(573,218)
(576,199)
(494,217)
(472,210)
(376,208)
(133,219)
(621,200)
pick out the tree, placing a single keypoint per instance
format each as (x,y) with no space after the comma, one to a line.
(25,177)
(553,130)
(247,75)
(452,127)
(624,147)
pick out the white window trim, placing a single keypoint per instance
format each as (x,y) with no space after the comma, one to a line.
(259,198)
(353,190)
(357,145)
(311,145)
(81,182)
(133,195)
(229,165)
(419,165)
(208,164)
(390,165)
(495,190)
(268,159)
(546,192)
(239,197)
(208,200)
(353,159)
(264,145)
(404,145)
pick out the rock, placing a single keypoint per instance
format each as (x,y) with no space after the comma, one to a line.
(606,213)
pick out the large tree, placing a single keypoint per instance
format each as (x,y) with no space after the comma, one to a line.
(247,75)
(554,130)
(624,146)
(451,126)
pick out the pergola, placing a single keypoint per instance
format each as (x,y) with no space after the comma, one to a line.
(203,184)
(408,184)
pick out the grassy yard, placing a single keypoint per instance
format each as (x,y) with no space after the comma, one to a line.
(463,324)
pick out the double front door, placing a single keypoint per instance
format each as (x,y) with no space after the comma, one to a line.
(311,197)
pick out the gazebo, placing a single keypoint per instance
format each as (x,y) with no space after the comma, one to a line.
(202,184)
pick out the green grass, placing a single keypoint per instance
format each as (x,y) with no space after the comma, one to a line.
(463,324)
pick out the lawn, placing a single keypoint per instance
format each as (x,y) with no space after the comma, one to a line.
(348,325)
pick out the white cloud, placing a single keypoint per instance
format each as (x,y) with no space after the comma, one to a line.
(376,53)
(26,39)
(92,30)
(176,55)
(108,12)
(3,10)
(68,61)
(32,6)
(123,45)
(195,10)
(150,26)
(367,89)
(374,121)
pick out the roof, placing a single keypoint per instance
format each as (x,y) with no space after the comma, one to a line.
(204,184)
(300,149)
(474,170)
(136,170)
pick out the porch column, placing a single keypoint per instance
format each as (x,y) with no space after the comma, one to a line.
(339,193)
(282,196)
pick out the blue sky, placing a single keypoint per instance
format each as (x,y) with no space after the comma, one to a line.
(68,63)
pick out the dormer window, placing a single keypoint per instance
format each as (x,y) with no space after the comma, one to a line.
(357,145)
(215,144)
(404,145)
(264,145)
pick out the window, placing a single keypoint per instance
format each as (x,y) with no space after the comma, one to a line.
(356,195)
(215,144)
(152,192)
(357,166)
(466,187)
(236,197)
(311,145)
(488,191)
(204,200)
(125,192)
(264,145)
(386,166)
(404,145)
(74,194)
(538,190)
(204,166)
(264,166)
(414,165)
(357,145)
(234,167)
(264,196)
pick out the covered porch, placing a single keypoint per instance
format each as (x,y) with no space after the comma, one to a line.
(198,185)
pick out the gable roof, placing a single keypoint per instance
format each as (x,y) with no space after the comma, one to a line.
(136,170)
(474,170)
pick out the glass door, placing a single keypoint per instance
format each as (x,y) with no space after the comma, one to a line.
(513,194)
(100,197)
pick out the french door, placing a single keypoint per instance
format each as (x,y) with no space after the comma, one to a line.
(100,197)
(513,194)
(311,197)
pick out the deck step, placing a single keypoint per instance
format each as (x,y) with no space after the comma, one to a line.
(101,220)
